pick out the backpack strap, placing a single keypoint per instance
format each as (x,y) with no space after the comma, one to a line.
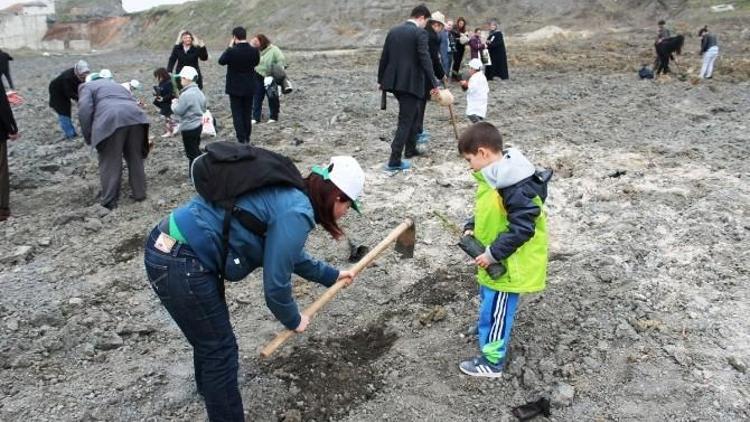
(248,221)
(224,250)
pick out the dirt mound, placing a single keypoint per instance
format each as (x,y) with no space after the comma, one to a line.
(346,366)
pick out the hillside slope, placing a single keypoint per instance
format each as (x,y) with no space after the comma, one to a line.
(325,24)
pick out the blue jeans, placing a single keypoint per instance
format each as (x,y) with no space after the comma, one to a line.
(189,293)
(66,124)
(260,93)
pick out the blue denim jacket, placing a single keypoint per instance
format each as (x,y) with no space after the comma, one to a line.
(289,216)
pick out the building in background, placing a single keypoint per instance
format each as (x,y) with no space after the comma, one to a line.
(24,25)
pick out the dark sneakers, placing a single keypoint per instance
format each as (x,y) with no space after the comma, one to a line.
(480,367)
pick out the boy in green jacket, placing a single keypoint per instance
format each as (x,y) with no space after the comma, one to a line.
(510,222)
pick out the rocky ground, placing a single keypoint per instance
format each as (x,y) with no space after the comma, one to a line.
(644,317)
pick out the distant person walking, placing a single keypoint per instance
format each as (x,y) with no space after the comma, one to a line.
(241,59)
(461,36)
(498,56)
(189,108)
(662,33)
(115,125)
(405,69)
(187,51)
(709,50)
(62,90)
(8,131)
(271,58)
(5,67)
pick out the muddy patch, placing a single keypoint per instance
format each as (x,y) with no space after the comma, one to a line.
(330,377)
(129,248)
(440,288)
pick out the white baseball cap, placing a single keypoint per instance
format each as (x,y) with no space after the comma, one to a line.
(346,173)
(134,84)
(105,74)
(475,64)
(188,72)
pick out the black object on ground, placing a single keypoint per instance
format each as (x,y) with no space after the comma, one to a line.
(532,409)
(357,253)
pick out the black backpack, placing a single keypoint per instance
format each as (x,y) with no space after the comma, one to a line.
(228,170)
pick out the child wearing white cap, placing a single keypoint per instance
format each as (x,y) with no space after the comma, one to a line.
(189,108)
(477,92)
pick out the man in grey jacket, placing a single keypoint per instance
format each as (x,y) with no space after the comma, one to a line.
(114,124)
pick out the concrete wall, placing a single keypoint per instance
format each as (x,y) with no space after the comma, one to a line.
(19,31)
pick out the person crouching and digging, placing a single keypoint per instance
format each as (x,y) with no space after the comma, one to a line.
(189,109)
(113,123)
(183,255)
(509,220)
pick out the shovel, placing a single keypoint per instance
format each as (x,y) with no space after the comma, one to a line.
(453,121)
(405,237)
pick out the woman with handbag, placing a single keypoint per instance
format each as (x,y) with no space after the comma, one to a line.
(271,57)
(189,108)
(461,35)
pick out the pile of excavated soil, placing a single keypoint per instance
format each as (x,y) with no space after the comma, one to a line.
(644,316)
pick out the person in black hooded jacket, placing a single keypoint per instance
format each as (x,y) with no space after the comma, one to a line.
(186,52)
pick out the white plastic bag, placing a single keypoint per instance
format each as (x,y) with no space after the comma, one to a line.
(209,129)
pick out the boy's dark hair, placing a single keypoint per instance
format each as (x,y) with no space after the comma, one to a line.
(703,31)
(421,11)
(480,135)
(661,22)
(477,30)
(240,33)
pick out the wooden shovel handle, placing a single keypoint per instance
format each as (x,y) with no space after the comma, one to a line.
(453,121)
(331,292)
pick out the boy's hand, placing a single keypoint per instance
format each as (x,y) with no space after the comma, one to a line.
(468,232)
(482,261)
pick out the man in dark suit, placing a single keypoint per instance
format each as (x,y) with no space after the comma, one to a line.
(406,71)
(8,130)
(241,59)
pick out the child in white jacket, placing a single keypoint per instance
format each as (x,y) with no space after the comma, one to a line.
(477,91)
